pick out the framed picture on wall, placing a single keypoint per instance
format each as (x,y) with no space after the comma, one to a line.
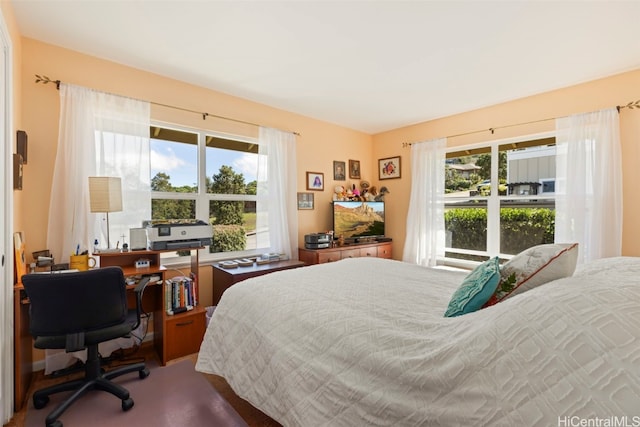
(339,171)
(354,169)
(305,201)
(315,181)
(389,168)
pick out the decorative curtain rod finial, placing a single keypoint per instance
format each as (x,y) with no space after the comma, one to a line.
(631,105)
(44,79)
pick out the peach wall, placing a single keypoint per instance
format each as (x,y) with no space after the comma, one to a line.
(599,94)
(319,143)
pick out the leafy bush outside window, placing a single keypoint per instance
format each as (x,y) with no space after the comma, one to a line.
(520,228)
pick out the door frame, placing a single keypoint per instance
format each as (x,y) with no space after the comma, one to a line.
(6,223)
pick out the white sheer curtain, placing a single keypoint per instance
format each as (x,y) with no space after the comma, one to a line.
(589,183)
(425,238)
(100,135)
(277,216)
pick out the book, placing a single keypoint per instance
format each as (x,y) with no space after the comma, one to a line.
(20,261)
(194,283)
(180,294)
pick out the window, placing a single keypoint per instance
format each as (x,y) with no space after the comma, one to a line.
(499,198)
(232,181)
(197,174)
(174,173)
(547,186)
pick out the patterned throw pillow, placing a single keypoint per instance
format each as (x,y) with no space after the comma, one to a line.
(534,267)
(475,289)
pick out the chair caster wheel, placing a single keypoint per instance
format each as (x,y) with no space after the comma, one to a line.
(143,373)
(40,402)
(127,404)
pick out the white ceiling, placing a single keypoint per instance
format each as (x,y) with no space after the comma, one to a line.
(367,65)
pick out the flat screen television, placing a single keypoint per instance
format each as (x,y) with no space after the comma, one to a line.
(355,220)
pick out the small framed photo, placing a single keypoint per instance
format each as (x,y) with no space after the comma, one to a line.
(315,181)
(305,200)
(354,169)
(339,173)
(389,168)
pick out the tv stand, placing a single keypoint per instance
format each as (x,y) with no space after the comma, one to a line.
(355,250)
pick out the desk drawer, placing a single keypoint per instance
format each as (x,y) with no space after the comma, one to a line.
(184,333)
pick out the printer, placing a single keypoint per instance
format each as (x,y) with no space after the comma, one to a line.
(177,234)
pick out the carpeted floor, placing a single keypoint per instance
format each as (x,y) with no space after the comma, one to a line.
(252,416)
(173,395)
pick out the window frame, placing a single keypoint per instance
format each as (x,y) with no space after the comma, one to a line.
(493,200)
(201,197)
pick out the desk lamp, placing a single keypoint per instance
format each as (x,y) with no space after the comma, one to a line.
(105,194)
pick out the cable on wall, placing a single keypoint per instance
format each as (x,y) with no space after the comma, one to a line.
(44,80)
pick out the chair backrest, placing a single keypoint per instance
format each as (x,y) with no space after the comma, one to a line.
(63,303)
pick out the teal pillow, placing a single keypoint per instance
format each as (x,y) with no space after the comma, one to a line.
(476,289)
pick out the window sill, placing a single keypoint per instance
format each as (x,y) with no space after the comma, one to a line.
(204,257)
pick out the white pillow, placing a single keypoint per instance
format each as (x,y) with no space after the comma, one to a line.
(534,267)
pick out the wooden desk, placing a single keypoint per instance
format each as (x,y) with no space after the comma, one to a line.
(22,347)
(174,335)
(23,341)
(224,278)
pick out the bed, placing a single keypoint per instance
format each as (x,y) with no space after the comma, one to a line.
(364,341)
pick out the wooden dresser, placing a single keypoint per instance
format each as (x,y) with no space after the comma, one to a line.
(320,256)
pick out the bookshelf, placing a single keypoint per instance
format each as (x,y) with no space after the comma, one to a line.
(174,335)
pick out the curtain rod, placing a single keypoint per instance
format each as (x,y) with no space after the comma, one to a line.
(631,105)
(44,79)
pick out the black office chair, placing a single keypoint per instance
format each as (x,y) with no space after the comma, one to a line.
(79,310)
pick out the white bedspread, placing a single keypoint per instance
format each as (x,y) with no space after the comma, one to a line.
(363,342)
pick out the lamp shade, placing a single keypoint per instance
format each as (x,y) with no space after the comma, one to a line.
(105,194)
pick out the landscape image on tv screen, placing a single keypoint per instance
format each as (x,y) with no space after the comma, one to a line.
(358,219)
